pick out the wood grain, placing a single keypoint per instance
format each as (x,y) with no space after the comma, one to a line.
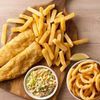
(16,86)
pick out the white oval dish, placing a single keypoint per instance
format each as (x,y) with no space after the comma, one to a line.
(30,94)
(73,67)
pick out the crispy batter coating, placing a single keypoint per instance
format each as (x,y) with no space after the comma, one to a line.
(19,64)
(15,46)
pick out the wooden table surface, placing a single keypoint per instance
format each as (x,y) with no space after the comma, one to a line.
(87,20)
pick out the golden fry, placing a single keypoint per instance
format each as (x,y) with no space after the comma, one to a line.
(70,16)
(4,34)
(50,52)
(64,67)
(36,19)
(15,20)
(24,16)
(34,11)
(60,45)
(59,14)
(63,24)
(52,35)
(35,29)
(46,56)
(41,25)
(48,9)
(68,39)
(81,41)
(57,62)
(68,53)
(62,58)
(44,37)
(53,15)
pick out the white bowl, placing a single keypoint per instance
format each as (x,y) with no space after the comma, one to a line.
(68,75)
(30,94)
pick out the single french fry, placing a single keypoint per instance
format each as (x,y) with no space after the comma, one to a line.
(45,27)
(53,15)
(34,11)
(36,18)
(52,35)
(41,25)
(59,35)
(68,53)
(60,13)
(41,10)
(44,37)
(26,25)
(4,34)
(47,58)
(60,45)
(50,52)
(62,68)
(15,20)
(35,29)
(48,21)
(63,25)
(48,9)
(56,52)
(24,16)
(81,41)
(57,62)
(62,58)
(70,16)
(68,39)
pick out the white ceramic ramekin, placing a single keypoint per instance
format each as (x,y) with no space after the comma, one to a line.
(30,94)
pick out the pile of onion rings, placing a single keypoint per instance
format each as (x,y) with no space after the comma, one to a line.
(84,80)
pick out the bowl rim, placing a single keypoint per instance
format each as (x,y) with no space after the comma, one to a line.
(73,67)
(35,97)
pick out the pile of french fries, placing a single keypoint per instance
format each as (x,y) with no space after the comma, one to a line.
(49,28)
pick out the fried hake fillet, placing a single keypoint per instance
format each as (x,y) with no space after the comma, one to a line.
(21,62)
(15,46)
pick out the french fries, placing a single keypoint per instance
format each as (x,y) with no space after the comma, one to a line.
(49,28)
(24,16)
(59,14)
(34,11)
(35,29)
(63,24)
(68,40)
(15,20)
(60,45)
(52,35)
(44,37)
(68,17)
(48,9)
(4,34)
(50,52)
(53,15)
(62,58)
(47,57)
(81,41)
(62,68)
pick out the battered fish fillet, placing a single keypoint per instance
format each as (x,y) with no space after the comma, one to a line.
(21,62)
(15,46)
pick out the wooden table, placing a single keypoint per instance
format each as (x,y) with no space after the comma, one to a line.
(87,20)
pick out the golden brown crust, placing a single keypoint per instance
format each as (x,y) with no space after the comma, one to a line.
(21,62)
(15,46)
